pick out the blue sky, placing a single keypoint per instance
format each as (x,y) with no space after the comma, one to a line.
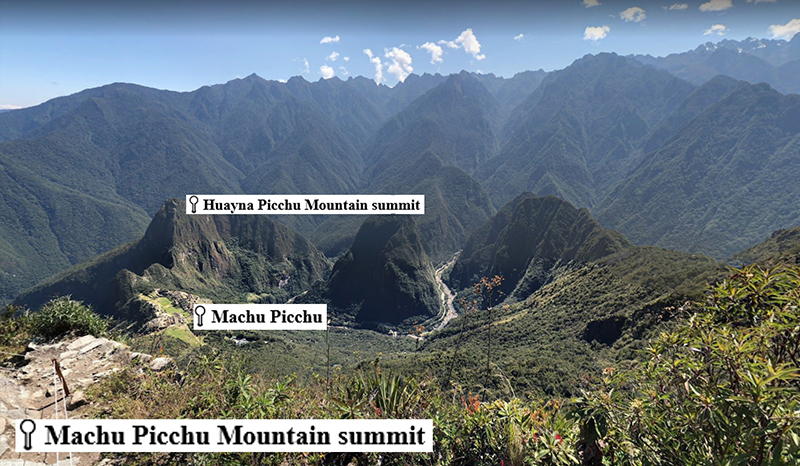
(50,49)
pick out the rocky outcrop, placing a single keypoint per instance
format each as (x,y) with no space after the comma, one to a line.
(27,389)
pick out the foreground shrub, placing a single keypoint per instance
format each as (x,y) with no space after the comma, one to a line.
(63,315)
(721,389)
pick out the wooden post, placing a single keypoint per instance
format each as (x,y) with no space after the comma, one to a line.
(61,376)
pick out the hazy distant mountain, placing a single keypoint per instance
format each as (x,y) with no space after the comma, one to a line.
(429,148)
(528,240)
(776,52)
(775,62)
(512,91)
(721,182)
(703,97)
(457,120)
(222,257)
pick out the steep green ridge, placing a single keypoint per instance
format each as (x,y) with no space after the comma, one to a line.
(528,240)
(46,226)
(582,130)
(385,277)
(782,247)
(220,257)
(587,318)
(721,183)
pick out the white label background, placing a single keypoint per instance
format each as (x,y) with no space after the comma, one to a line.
(301,199)
(260,309)
(333,426)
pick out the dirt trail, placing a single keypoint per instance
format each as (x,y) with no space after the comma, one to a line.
(26,390)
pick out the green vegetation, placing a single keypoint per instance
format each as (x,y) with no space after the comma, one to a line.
(586,318)
(57,318)
(720,183)
(720,386)
(385,277)
(229,258)
(782,247)
(529,241)
(14,332)
(723,387)
(64,315)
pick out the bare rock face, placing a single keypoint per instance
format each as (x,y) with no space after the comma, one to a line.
(159,364)
(28,392)
(76,400)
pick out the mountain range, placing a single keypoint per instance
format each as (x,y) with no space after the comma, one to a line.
(702,164)
(775,62)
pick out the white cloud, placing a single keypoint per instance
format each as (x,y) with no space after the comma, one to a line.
(677,6)
(718,29)
(634,14)
(401,63)
(761,1)
(326,71)
(346,58)
(306,70)
(519,36)
(470,43)
(435,51)
(591,3)
(9,107)
(785,31)
(449,43)
(332,57)
(282,81)
(378,65)
(344,71)
(329,39)
(596,33)
(716,5)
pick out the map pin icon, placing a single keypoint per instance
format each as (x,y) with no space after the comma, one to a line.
(27,427)
(194,200)
(199,311)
